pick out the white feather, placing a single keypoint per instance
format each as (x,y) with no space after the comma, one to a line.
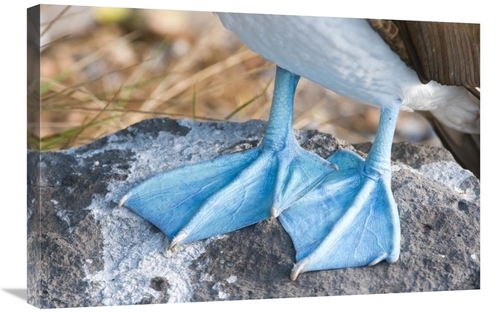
(348,57)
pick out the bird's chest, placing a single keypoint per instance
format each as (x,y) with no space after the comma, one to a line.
(344,55)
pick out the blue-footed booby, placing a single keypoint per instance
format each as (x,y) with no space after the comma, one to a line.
(339,212)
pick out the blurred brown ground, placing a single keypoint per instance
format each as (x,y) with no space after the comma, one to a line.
(105,69)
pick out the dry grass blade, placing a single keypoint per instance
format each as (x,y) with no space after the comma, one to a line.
(68,137)
(79,93)
(77,66)
(193,105)
(160,95)
(304,118)
(154,113)
(55,41)
(232,79)
(54,97)
(244,105)
(136,78)
(53,21)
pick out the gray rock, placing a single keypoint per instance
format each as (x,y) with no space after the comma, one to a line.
(84,251)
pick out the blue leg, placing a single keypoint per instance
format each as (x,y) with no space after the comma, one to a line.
(233,191)
(351,218)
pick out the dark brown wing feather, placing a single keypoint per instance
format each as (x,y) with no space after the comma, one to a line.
(445,52)
(449,54)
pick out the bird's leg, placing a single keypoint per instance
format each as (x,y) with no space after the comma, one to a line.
(233,191)
(351,218)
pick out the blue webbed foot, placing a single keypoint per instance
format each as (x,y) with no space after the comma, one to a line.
(170,199)
(233,191)
(351,218)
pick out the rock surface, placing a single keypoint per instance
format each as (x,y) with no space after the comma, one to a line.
(84,251)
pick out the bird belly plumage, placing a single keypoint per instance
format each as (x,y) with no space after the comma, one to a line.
(348,57)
